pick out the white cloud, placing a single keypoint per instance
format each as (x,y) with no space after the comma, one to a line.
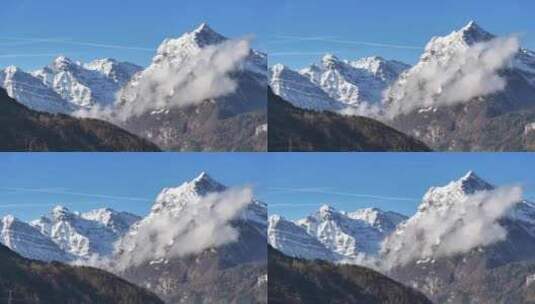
(204,76)
(200,226)
(471,223)
(469,73)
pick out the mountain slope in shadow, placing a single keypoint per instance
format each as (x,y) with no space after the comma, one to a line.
(295,129)
(299,281)
(24,129)
(27,281)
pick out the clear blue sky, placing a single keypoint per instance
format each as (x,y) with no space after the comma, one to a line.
(294,184)
(144,24)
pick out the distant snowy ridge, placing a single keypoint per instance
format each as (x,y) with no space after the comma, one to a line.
(66,86)
(350,87)
(66,236)
(333,235)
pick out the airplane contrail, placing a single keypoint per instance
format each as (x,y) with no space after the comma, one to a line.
(10,44)
(28,55)
(292,205)
(25,205)
(339,193)
(279,54)
(80,43)
(77,194)
(354,42)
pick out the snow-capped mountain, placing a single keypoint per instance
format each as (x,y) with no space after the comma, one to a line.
(300,91)
(30,91)
(117,71)
(439,200)
(425,103)
(87,84)
(384,221)
(176,52)
(348,237)
(69,235)
(439,51)
(65,86)
(470,275)
(175,199)
(195,214)
(85,235)
(294,241)
(172,201)
(190,120)
(454,192)
(29,241)
(336,85)
(452,201)
(189,110)
(354,82)
(351,238)
(206,273)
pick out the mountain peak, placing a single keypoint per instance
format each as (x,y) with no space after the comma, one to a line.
(275,219)
(100,212)
(204,28)
(371,59)
(473,33)
(203,177)
(470,175)
(471,25)
(177,50)
(61,61)
(278,68)
(454,191)
(461,39)
(326,209)
(8,220)
(102,61)
(59,212)
(177,197)
(329,60)
(204,183)
(204,35)
(11,69)
(471,183)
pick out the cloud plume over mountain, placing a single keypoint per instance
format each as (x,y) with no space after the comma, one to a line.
(436,232)
(465,74)
(203,225)
(205,76)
